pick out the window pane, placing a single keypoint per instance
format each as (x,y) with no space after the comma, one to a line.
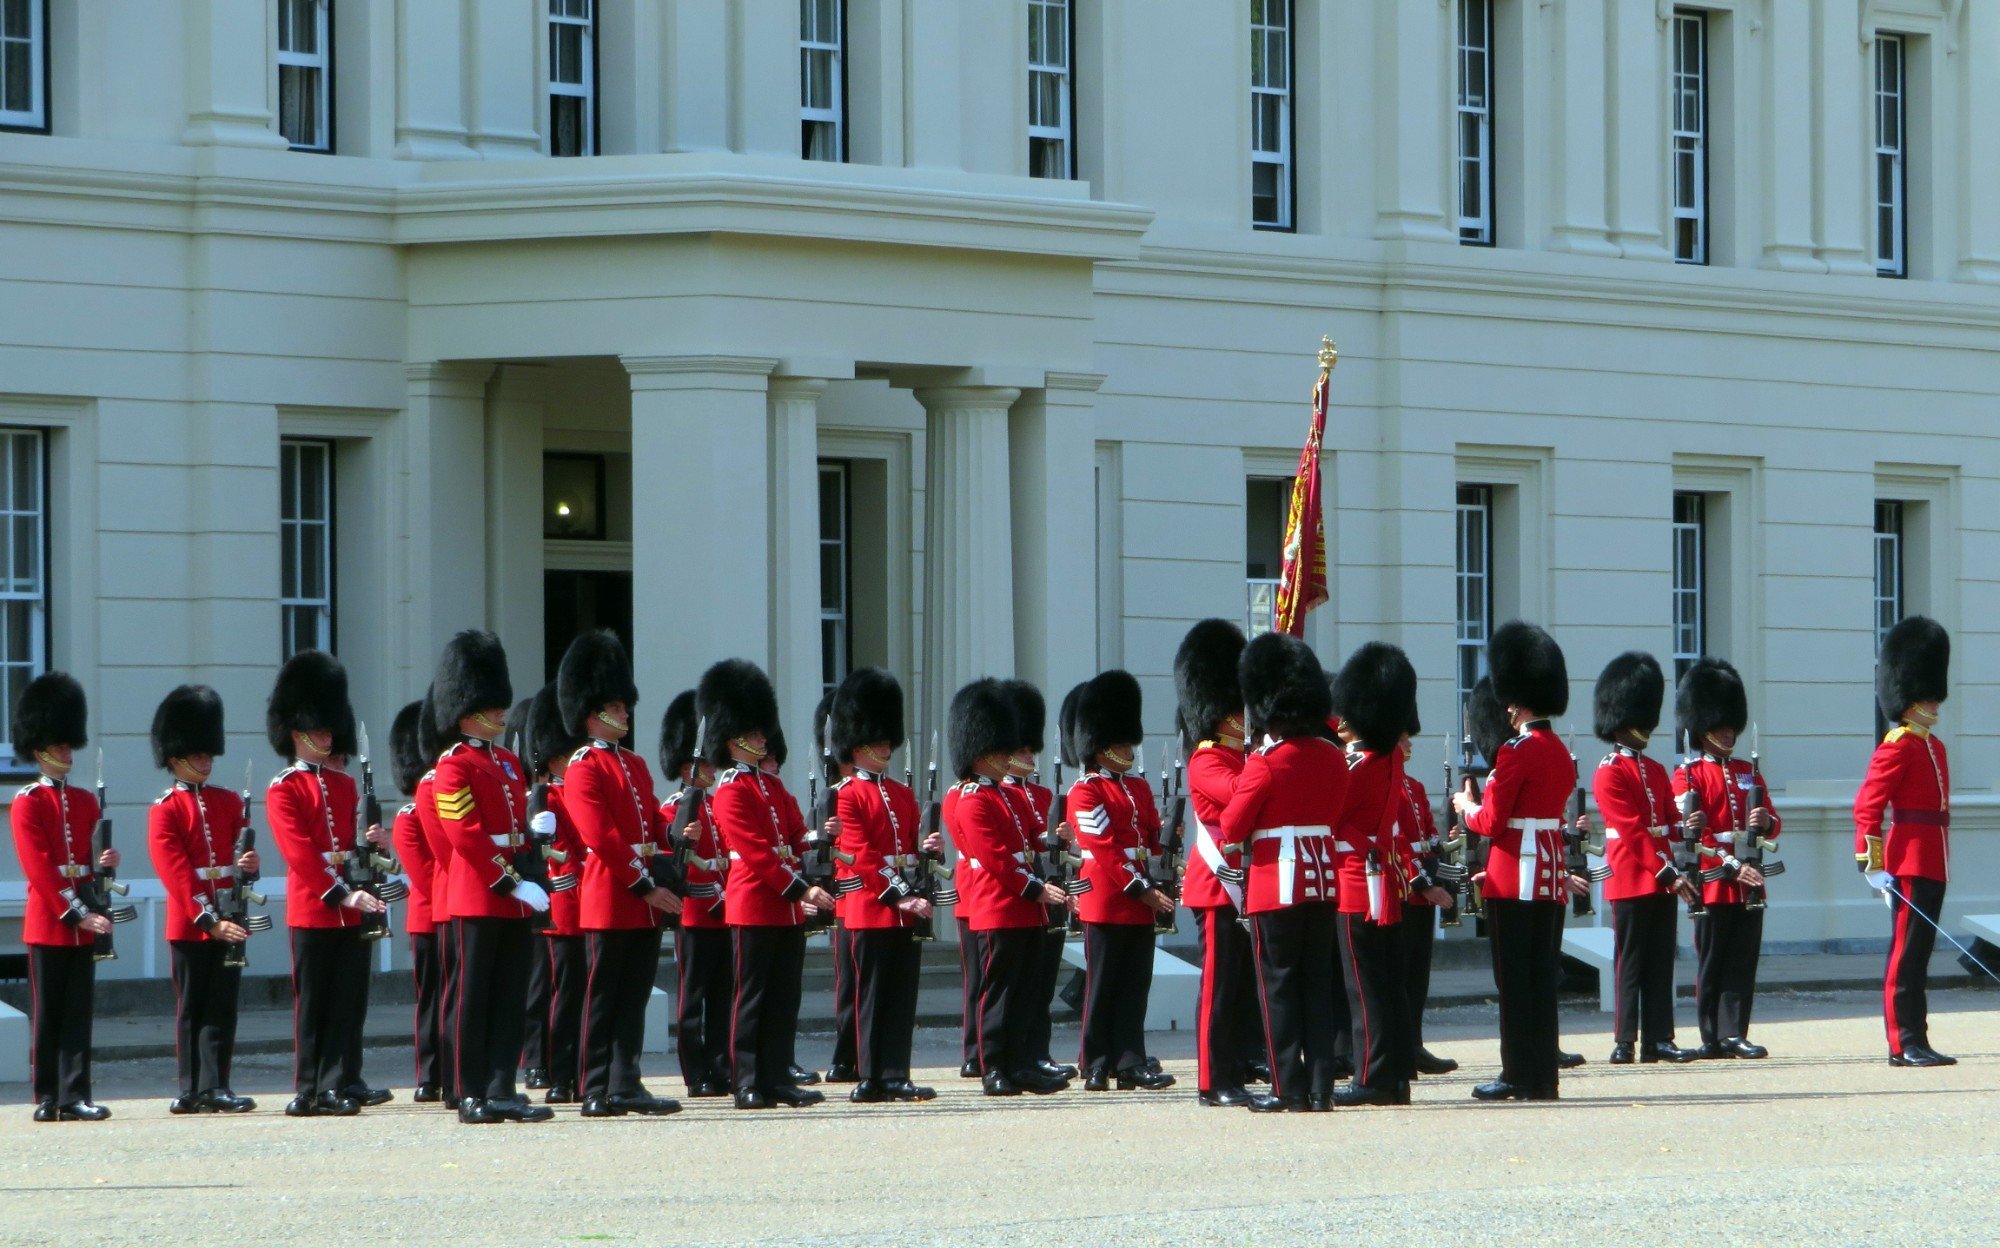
(566,55)
(818,85)
(15,94)
(18,24)
(566,125)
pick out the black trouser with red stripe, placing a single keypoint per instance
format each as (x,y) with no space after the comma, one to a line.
(883,965)
(427,969)
(702,961)
(493,957)
(1117,982)
(535,1022)
(770,965)
(329,994)
(62,987)
(843,995)
(1905,996)
(1526,941)
(1007,958)
(1417,934)
(351,1081)
(1297,982)
(1378,1007)
(622,966)
(1042,998)
(1727,940)
(205,994)
(969,967)
(1228,993)
(1643,930)
(569,980)
(447,1009)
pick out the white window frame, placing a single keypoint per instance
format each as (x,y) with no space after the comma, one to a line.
(1689,617)
(1890,602)
(1473,579)
(24,593)
(295,530)
(1271,52)
(1891,169)
(1260,593)
(1475,120)
(320,61)
(836,621)
(828,46)
(1687,113)
(559,16)
(35,117)
(1045,16)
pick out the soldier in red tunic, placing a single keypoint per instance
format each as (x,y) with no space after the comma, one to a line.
(1909,779)
(413,850)
(1211,716)
(192,833)
(880,855)
(482,801)
(567,954)
(627,892)
(1526,888)
(52,823)
(1731,804)
(703,966)
(1635,798)
(768,900)
(1036,804)
(1118,830)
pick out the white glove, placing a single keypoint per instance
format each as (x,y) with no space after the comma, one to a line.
(543,824)
(531,895)
(1880,881)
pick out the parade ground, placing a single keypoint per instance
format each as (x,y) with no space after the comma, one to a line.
(1824,1143)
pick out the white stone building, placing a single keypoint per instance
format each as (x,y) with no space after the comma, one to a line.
(975,336)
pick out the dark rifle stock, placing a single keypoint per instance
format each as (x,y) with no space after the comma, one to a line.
(101,887)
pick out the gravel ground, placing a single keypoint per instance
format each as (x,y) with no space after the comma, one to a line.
(1822,1144)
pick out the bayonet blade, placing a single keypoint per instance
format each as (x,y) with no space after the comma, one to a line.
(361,736)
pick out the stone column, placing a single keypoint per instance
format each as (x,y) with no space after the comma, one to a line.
(515,402)
(694,74)
(793,403)
(1843,222)
(1978,59)
(446,587)
(505,42)
(1578,162)
(430,83)
(764,52)
(1638,125)
(1787,173)
(229,46)
(1413,151)
(933,110)
(700,519)
(1052,439)
(968,545)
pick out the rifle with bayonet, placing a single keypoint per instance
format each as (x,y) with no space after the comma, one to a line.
(1748,845)
(366,868)
(1578,847)
(684,832)
(1058,864)
(1474,849)
(538,847)
(1449,872)
(926,874)
(233,902)
(1163,869)
(1687,846)
(819,863)
(97,889)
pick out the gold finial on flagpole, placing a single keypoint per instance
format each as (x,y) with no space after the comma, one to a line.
(1329,355)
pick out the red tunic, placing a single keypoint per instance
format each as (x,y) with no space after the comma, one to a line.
(566,907)
(1725,797)
(1369,824)
(608,795)
(761,826)
(52,822)
(1118,829)
(311,811)
(973,892)
(1212,773)
(441,856)
(878,831)
(994,846)
(191,831)
(413,850)
(1286,806)
(706,862)
(1417,830)
(1527,798)
(1635,799)
(1910,778)
(482,806)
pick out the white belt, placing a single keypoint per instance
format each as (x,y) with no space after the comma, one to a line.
(1288,839)
(1017,856)
(646,850)
(1536,825)
(1528,863)
(1612,834)
(1725,838)
(215,873)
(508,840)
(1211,853)
(73,871)
(334,857)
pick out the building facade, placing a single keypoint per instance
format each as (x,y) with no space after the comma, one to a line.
(970,338)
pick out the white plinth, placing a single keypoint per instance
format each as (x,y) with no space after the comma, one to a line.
(1176,989)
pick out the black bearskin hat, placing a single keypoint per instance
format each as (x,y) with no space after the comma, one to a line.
(1528,669)
(471,676)
(50,711)
(1376,692)
(868,707)
(1108,713)
(1205,680)
(406,754)
(595,671)
(1916,659)
(775,748)
(189,721)
(549,735)
(980,722)
(1284,688)
(1031,714)
(429,742)
(734,698)
(1416,728)
(310,696)
(1631,691)
(677,743)
(1066,726)
(1711,696)
(1486,720)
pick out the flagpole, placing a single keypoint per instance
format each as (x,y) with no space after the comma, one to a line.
(1302,583)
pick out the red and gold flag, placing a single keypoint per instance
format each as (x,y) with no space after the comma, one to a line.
(1302,584)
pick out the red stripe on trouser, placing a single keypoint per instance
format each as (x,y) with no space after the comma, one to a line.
(36,1058)
(985,978)
(1367,1032)
(1618,991)
(1264,1007)
(736,969)
(1894,978)
(295,1021)
(416,1013)
(1205,1020)
(862,1051)
(583,1045)
(180,1061)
